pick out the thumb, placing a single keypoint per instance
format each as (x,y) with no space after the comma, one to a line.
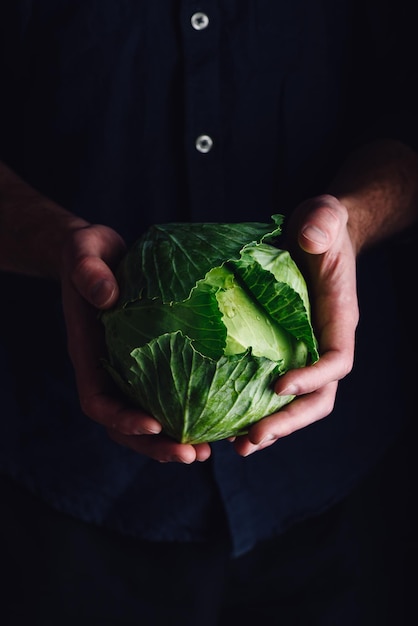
(324,218)
(95,281)
(87,261)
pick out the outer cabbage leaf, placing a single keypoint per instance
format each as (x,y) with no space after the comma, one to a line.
(196,398)
(168,260)
(141,320)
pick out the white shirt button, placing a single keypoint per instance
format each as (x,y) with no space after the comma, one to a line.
(204,143)
(199,20)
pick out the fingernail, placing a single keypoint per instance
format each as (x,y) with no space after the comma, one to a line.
(102,292)
(266,439)
(290,390)
(178,459)
(153,430)
(314,234)
(130,426)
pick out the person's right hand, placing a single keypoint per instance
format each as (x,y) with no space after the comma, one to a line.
(319,237)
(89,285)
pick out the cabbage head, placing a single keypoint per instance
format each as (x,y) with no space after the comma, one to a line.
(209,315)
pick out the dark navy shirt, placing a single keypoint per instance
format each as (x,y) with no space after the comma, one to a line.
(133,112)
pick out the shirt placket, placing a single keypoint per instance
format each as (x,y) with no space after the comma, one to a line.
(200,30)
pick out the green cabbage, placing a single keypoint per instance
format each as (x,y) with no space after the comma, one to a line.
(209,316)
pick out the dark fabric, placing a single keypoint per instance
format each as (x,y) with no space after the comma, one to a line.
(347,566)
(100,108)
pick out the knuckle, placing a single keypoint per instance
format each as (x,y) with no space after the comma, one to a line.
(327,399)
(286,428)
(90,407)
(329,406)
(347,367)
(84,269)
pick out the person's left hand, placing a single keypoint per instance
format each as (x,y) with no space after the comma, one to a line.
(320,241)
(88,286)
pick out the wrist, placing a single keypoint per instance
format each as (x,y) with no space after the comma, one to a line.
(378,185)
(33,228)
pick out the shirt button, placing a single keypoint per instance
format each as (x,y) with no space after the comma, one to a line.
(199,20)
(204,143)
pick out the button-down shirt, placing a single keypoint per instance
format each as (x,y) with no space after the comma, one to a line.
(134,112)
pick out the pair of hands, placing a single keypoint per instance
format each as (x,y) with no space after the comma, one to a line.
(318,237)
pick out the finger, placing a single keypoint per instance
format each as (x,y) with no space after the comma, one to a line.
(88,259)
(98,396)
(95,281)
(323,219)
(331,367)
(337,343)
(337,313)
(296,415)
(163,449)
(108,410)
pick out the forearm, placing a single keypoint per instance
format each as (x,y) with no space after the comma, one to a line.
(379,186)
(32,228)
